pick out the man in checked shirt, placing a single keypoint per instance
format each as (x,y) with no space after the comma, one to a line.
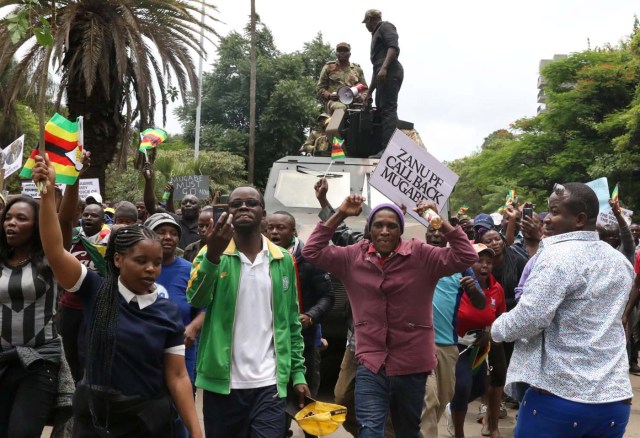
(567,328)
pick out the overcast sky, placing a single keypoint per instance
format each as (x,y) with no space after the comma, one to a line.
(470,67)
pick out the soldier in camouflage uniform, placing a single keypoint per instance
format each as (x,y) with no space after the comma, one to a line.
(317,143)
(339,73)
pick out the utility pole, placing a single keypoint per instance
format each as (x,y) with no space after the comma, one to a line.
(252,96)
(199,107)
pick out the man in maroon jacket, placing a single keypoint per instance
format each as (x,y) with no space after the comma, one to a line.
(390,283)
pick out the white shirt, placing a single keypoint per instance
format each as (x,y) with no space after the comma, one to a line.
(253,359)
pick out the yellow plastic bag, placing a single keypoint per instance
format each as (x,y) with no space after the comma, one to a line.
(319,418)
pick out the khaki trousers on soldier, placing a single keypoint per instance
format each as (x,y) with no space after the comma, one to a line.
(441,386)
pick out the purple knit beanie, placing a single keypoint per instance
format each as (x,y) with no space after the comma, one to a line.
(392,207)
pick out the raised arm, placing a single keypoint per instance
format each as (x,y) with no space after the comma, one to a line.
(65,267)
(317,250)
(150,202)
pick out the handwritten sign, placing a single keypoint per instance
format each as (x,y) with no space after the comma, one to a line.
(12,156)
(86,186)
(407,173)
(608,218)
(196,185)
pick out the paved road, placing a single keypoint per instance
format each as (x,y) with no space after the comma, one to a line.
(472,429)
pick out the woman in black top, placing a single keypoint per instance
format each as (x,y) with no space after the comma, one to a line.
(30,349)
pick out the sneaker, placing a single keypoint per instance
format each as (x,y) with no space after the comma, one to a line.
(447,416)
(634,369)
(482,411)
(503,410)
(511,402)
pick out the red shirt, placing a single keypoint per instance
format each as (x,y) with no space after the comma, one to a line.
(470,318)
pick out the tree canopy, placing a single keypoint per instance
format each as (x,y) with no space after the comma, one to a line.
(116,59)
(590,128)
(286,102)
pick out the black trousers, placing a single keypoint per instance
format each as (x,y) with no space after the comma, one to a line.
(70,324)
(387,100)
(26,398)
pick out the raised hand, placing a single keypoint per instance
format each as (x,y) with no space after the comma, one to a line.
(321,187)
(218,237)
(352,205)
(424,205)
(44,171)
(86,162)
(147,171)
(468,284)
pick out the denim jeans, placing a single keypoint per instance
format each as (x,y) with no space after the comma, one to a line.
(377,395)
(549,416)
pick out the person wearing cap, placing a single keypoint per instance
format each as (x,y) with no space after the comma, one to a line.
(174,279)
(251,343)
(472,327)
(317,143)
(337,74)
(388,73)
(390,283)
(93,198)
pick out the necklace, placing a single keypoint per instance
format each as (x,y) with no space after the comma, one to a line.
(20,262)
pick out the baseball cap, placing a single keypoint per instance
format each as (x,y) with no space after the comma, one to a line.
(320,418)
(343,45)
(96,197)
(481,247)
(483,220)
(155,220)
(372,13)
(391,207)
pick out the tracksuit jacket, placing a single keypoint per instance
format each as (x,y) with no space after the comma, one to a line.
(215,287)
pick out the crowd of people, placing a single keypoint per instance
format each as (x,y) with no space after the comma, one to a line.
(114,316)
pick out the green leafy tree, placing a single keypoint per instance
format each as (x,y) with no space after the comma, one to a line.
(285,101)
(589,129)
(225,171)
(116,60)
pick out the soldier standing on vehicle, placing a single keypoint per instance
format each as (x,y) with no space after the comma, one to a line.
(387,71)
(339,73)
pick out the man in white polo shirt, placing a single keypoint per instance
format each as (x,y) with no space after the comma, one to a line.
(251,344)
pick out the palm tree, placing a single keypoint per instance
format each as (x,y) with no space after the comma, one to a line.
(113,57)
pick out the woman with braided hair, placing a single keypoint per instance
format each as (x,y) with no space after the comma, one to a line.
(135,368)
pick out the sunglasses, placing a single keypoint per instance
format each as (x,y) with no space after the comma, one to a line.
(251,203)
(558,189)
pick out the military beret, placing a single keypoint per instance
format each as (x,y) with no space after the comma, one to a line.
(341,45)
(372,13)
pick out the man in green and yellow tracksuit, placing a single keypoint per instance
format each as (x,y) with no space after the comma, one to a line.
(250,344)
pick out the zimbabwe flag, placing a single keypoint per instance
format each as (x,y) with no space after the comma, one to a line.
(150,138)
(61,143)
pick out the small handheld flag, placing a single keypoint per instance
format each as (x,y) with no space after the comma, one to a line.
(463,210)
(151,138)
(61,143)
(336,149)
(614,194)
(512,198)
